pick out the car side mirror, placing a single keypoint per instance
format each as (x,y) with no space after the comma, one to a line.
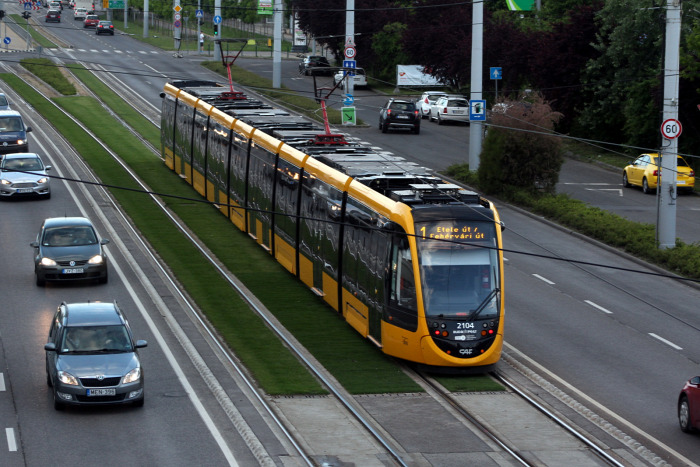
(141,344)
(34,244)
(28,129)
(695,380)
(50,347)
(47,168)
(104,241)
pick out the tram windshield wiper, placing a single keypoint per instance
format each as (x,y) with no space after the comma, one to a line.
(483,304)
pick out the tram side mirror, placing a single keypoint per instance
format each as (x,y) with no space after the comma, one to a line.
(503,226)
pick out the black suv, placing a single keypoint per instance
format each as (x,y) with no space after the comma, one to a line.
(399,114)
(314,61)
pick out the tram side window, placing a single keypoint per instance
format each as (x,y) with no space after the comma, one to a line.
(218,154)
(199,144)
(402,289)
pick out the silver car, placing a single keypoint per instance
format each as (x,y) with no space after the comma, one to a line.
(24,174)
(68,249)
(92,358)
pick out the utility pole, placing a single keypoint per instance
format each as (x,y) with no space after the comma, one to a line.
(277,46)
(145,19)
(350,33)
(475,127)
(666,189)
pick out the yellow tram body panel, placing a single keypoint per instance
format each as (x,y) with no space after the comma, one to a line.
(355,313)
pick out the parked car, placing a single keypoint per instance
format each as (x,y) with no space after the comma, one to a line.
(426,100)
(689,405)
(24,174)
(104,27)
(402,114)
(13,132)
(80,13)
(91,21)
(92,358)
(53,16)
(68,249)
(314,61)
(358,80)
(4,103)
(450,108)
(644,172)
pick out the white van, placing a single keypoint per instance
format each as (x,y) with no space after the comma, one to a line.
(359,80)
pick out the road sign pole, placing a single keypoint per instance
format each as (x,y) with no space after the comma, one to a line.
(350,34)
(666,191)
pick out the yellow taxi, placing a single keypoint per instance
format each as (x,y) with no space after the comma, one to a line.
(645,169)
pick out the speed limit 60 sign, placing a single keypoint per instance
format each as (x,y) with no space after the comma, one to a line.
(671,128)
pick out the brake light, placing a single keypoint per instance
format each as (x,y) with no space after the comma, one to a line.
(691,174)
(656,173)
(415,112)
(388,111)
(444,110)
(426,101)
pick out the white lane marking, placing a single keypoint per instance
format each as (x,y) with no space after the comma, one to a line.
(665,341)
(598,307)
(11,442)
(543,279)
(2,381)
(619,190)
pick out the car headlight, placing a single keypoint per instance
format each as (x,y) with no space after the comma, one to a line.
(5,182)
(133,376)
(43,180)
(21,141)
(97,259)
(47,262)
(67,378)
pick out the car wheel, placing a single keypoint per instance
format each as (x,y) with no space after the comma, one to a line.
(440,122)
(139,403)
(684,415)
(645,186)
(416,129)
(56,404)
(385,127)
(625,182)
(40,282)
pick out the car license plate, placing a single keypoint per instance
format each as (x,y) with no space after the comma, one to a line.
(680,182)
(404,117)
(458,111)
(24,190)
(73,271)
(102,392)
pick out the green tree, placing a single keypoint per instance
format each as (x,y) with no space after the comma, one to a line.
(517,151)
(389,51)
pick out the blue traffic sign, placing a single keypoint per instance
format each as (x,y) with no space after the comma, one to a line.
(7,40)
(217,19)
(495,72)
(477,110)
(350,64)
(348,99)
(199,14)
(27,5)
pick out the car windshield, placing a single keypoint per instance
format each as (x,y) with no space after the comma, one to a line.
(69,236)
(96,339)
(22,164)
(401,106)
(10,124)
(457,103)
(3,100)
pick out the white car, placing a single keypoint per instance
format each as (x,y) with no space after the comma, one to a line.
(80,13)
(450,108)
(359,80)
(426,100)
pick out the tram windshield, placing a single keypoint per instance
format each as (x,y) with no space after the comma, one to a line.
(459,269)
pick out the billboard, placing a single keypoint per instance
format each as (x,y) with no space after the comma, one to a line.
(414,75)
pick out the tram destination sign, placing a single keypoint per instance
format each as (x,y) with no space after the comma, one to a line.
(453,232)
